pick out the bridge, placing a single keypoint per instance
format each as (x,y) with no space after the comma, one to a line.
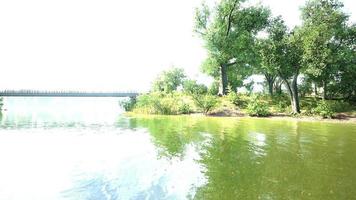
(44,93)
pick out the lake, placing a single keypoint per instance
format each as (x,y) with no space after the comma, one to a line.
(86,148)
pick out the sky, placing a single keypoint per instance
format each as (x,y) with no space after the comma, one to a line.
(105,44)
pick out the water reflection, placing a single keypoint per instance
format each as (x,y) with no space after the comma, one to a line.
(71,154)
(261,159)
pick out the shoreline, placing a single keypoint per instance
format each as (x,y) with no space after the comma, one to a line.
(343,119)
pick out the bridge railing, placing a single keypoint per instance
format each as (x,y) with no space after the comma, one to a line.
(70,93)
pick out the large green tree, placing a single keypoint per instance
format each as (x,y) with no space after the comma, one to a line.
(281,54)
(271,51)
(324,25)
(229,31)
(344,82)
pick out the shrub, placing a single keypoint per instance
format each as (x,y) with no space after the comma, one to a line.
(323,109)
(308,104)
(237,100)
(192,87)
(167,105)
(281,107)
(128,104)
(184,108)
(281,103)
(205,102)
(161,103)
(214,88)
(340,106)
(258,108)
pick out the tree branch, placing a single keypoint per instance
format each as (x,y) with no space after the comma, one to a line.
(229,19)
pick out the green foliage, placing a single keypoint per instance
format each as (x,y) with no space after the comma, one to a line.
(165,104)
(128,104)
(328,50)
(237,100)
(281,54)
(258,108)
(229,30)
(214,88)
(184,108)
(205,102)
(343,83)
(324,110)
(305,87)
(281,103)
(168,81)
(272,50)
(340,106)
(1,103)
(192,87)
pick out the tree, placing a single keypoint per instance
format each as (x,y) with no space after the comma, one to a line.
(324,23)
(270,50)
(281,54)
(345,78)
(229,31)
(194,88)
(169,80)
(292,67)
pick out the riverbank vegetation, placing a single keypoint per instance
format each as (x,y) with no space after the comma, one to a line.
(1,104)
(307,70)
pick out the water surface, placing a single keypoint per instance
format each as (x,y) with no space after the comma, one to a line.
(85,148)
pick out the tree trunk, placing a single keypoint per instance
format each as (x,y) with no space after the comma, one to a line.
(315,89)
(270,88)
(270,79)
(293,93)
(277,86)
(224,80)
(324,90)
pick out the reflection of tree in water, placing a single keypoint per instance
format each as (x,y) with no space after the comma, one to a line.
(273,160)
(260,159)
(230,161)
(170,135)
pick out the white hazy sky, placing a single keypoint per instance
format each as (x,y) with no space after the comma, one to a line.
(104,44)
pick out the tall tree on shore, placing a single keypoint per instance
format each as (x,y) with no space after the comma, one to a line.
(345,78)
(292,67)
(281,54)
(229,31)
(270,51)
(324,23)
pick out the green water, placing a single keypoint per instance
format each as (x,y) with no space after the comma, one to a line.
(88,149)
(262,158)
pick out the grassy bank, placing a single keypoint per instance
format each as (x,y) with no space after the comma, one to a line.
(257,105)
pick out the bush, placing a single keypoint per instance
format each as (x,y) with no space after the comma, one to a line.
(281,103)
(128,104)
(214,88)
(184,108)
(281,107)
(1,104)
(165,104)
(323,109)
(308,104)
(205,102)
(237,100)
(192,87)
(340,106)
(258,108)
